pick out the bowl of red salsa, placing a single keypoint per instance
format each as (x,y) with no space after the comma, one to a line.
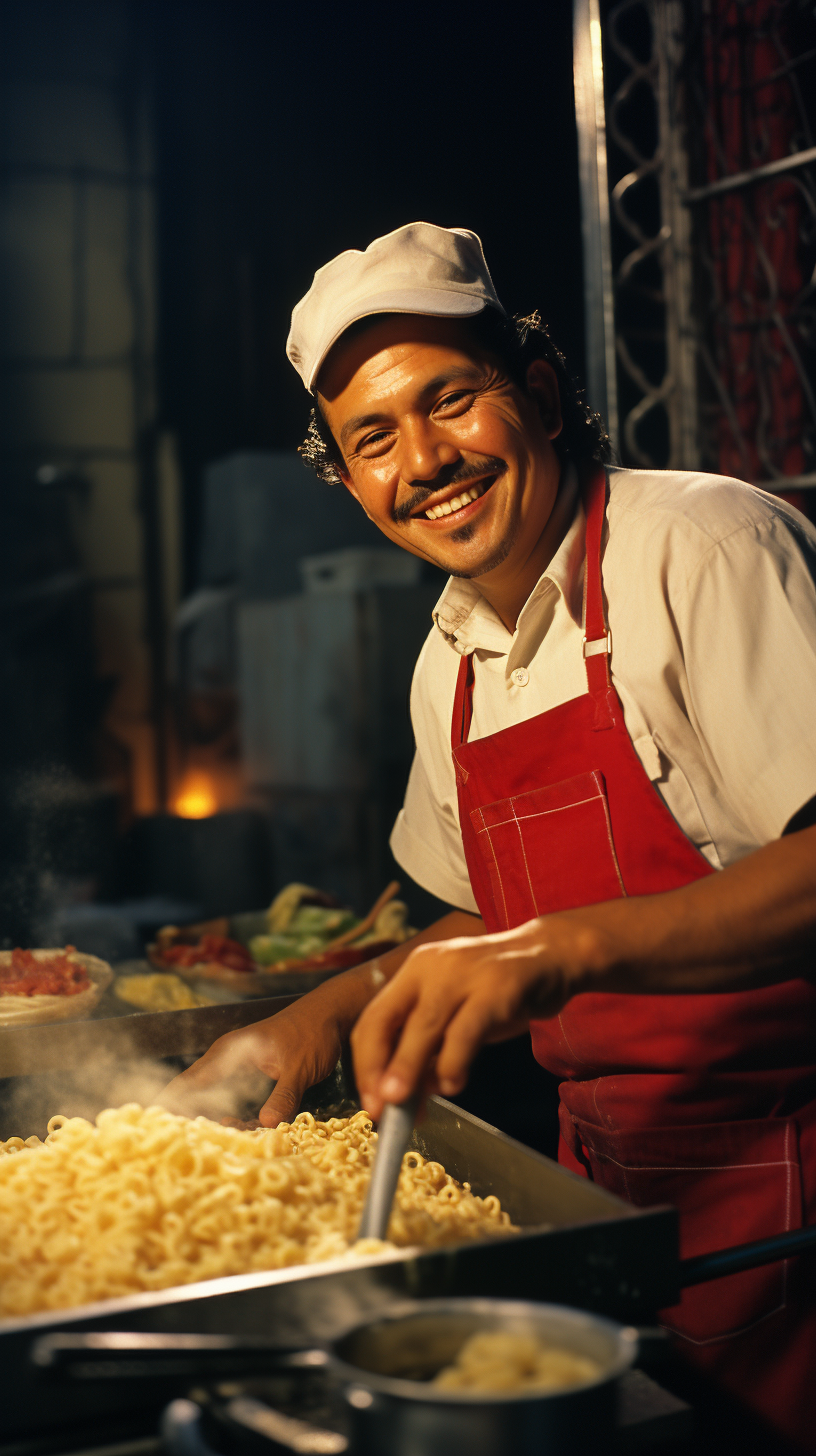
(49,985)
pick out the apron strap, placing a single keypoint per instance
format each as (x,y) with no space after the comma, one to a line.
(462,703)
(597,637)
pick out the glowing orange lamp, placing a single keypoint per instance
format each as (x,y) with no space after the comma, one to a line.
(195,799)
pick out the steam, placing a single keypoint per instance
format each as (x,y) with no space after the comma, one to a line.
(48,850)
(107,1077)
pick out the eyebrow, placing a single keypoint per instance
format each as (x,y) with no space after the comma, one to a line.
(447,376)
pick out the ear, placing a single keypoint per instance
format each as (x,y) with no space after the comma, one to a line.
(346,480)
(542,386)
(348,483)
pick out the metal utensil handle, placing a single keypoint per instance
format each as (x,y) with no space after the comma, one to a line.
(746,1256)
(133,1355)
(393,1136)
(182,1433)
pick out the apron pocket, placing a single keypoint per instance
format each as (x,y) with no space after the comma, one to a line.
(550,849)
(732,1182)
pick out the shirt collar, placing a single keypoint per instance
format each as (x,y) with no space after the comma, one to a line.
(468,622)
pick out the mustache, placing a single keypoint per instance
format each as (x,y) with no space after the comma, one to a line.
(449,475)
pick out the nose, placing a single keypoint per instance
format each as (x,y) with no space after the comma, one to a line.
(425,452)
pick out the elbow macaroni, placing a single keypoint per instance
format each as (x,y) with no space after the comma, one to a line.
(501,1360)
(143,1200)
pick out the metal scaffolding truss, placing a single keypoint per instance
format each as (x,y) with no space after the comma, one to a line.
(705,258)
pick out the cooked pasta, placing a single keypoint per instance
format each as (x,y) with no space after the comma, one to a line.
(503,1360)
(143,1200)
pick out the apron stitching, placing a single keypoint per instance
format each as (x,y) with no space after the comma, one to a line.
(601,1116)
(688,1167)
(729,1334)
(540,813)
(499,878)
(524,855)
(571,1048)
(602,797)
(612,1130)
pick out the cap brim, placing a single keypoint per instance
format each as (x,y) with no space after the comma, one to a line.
(433,302)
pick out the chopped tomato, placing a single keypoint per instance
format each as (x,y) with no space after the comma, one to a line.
(54,975)
(209,950)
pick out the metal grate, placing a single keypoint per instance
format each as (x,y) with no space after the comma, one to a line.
(712,171)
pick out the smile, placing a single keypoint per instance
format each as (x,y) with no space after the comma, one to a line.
(459,502)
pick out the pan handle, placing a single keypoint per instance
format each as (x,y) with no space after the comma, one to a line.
(129,1355)
(746,1256)
(182,1434)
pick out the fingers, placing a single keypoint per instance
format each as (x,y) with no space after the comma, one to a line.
(283,1103)
(480,1019)
(185,1090)
(399,1033)
(232,1074)
(445,1002)
(372,1042)
(421,1038)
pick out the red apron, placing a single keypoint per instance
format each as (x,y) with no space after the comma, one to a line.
(703,1101)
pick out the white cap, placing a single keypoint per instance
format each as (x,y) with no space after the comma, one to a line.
(418,268)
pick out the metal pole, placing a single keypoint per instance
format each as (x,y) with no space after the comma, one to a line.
(681,346)
(590,119)
(779,168)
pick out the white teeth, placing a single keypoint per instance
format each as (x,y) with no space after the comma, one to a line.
(447,507)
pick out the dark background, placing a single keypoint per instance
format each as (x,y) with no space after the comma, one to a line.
(171,175)
(286,135)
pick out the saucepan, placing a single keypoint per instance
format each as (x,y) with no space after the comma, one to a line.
(383,1369)
(386,1365)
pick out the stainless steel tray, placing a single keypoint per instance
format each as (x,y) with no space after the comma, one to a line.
(579,1245)
(29,1050)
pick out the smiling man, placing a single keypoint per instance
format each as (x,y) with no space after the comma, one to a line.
(614,784)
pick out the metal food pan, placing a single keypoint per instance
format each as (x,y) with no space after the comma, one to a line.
(578,1245)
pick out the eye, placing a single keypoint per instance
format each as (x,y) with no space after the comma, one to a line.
(374,444)
(455,403)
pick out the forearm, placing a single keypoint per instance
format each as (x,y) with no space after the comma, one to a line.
(740,928)
(346,995)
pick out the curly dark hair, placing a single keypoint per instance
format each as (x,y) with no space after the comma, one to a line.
(517,342)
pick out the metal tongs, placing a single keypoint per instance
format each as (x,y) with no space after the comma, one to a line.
(393,1136)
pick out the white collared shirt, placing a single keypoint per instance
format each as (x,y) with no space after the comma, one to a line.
(710,588)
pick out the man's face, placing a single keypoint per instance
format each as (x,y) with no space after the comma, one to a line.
(444,452)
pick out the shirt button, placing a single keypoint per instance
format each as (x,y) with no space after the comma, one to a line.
(520,677)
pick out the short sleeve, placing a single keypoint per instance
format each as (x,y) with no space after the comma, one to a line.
(427,843)
(426,840)
(748,630)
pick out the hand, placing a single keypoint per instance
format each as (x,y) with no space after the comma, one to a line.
(451,996)
(296,1048)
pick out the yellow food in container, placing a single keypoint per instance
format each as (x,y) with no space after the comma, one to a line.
(158,991)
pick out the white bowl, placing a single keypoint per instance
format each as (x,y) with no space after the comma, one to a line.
(34,1010)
